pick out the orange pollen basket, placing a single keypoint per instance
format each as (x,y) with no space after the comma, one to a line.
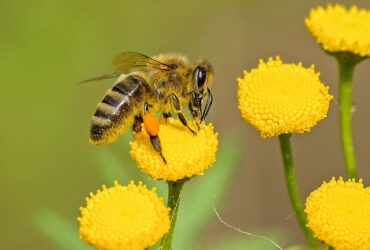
(151,124)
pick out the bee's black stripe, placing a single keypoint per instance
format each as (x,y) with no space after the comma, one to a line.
(122,89)
(110,101)
(128,86)
(120,103)
(102,114)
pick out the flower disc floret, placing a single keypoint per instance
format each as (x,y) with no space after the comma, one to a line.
(278,98)
(337,29)
(338,213)
(123,218)
(186,154)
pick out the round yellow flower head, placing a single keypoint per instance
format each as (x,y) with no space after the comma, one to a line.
(186,154)
(338,213)
(340,30)
(278,98)
(123,218)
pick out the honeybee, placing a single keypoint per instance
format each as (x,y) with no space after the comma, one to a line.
(164,83)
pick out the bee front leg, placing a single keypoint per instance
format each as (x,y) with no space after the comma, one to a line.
(180,114)
(195,114)
(195,105)
(208,105)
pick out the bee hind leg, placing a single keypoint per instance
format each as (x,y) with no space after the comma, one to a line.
(151,125)
(154,140)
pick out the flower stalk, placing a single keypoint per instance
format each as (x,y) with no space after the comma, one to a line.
(174,190)
(294,196)
(346,69)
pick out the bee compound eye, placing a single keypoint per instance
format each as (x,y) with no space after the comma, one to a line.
(200,76)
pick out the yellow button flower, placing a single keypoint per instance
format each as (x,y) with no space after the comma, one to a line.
(338,29)
(123,218)
(186,154)
(279,98)
(338,213)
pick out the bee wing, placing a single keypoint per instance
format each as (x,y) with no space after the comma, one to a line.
(129,61)
(102,77)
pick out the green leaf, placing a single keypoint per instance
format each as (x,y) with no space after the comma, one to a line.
(63,233)
(201,194)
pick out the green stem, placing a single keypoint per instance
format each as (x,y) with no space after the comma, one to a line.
(346,69)
(290,179)
(174,189)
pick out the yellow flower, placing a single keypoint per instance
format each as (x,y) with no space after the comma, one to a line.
(338,29)
(338,213)
(279,98)
(186,154)
(123,217)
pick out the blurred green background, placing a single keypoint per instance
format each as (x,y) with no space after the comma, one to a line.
(46,161)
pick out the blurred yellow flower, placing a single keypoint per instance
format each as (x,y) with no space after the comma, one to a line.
(338,213)
(278,98)
(123,217)
(338,29)
(186,154)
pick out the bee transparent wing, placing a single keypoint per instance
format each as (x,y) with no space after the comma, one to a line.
(102,77)
(129,61)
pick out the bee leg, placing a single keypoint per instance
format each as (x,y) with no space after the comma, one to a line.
(154,140)
(136,127)
(185,122)
(194,113)
(151,125)
(195,105)
(177,106)
(166,115)
(208,105)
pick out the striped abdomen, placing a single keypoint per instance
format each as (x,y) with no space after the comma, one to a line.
(116,112)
